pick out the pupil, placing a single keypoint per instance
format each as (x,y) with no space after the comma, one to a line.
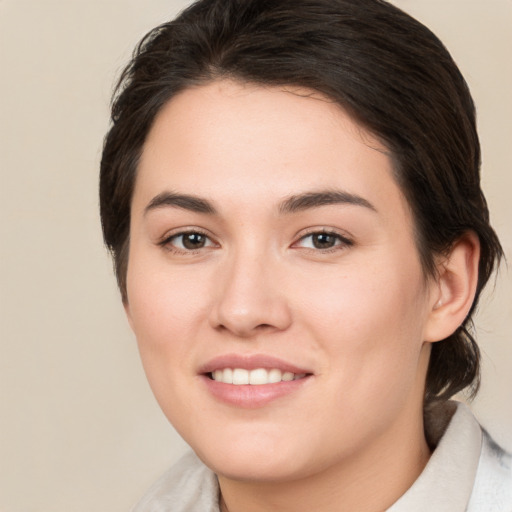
(323,241)
(193,240)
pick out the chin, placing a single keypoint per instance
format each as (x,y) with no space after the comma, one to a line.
(260,460)
(255,470)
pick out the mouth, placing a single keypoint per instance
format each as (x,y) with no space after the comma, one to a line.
(255,377)
(252,381)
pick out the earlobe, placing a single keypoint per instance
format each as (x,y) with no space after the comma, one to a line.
(454,289)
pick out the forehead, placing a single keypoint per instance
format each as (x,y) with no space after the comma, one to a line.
(239,141)
(256,110)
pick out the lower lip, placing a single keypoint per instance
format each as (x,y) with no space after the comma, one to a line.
(249,396)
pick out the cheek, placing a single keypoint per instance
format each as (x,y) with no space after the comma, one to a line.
(161,299)
(164,308)
(164,312)
(366,299)
(371,324)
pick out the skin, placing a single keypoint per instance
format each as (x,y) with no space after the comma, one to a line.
(359,315)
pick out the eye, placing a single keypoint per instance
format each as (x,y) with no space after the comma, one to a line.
(323,240)
(188,241)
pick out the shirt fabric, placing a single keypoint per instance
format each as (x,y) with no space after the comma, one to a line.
(467,472)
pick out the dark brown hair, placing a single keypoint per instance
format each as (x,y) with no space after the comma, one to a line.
(383,67)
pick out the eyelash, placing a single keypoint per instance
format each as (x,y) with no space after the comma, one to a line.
(166,243)
(341,242)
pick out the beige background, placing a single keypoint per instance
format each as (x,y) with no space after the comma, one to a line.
(79,429)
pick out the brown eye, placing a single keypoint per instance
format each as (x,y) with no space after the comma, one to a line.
(189,241)
(324,240)
(193,240)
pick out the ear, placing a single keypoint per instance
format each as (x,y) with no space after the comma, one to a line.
(454,288)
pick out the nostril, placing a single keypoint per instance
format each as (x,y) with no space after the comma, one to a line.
(264,327)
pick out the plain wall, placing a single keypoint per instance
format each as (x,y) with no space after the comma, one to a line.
(79,428)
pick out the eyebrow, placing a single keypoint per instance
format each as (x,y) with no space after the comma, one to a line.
(184,201)
(309,200)
(292,204)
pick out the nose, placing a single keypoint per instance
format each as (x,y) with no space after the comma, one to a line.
(250,298)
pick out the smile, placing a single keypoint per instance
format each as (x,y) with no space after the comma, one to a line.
(256,377)
(251,381)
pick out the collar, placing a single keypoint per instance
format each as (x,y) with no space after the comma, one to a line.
(446,483)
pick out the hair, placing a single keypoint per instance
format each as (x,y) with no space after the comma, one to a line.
(384,68)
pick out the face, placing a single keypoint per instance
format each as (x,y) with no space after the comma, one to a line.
(274,285)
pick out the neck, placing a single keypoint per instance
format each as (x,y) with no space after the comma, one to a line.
(371,481)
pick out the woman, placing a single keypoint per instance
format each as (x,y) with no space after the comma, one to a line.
(290,190)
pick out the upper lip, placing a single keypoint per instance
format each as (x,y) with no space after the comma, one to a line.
(250,362)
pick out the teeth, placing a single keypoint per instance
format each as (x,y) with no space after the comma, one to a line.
(240,376)
(259,376)
(274,375)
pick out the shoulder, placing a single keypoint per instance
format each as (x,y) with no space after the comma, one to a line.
(492,490)
(188,486)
